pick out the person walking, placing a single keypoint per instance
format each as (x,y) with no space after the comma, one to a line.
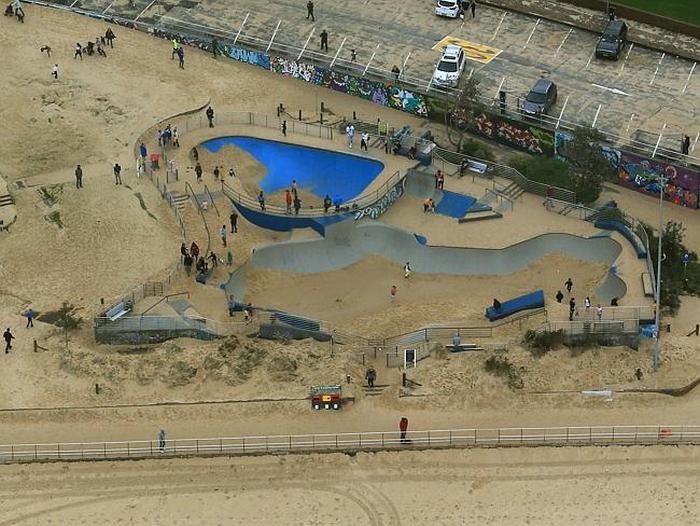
(569,284)
(288,200)
(161,440)
(176,138)
(297,206)
(234,222)
(210,116)
(310,11)
(117,173)
(261,200)
(353,55)
(326,203)
(194,250)
(295,188)
(214,47)
(363,141)
(78,51)
(198,172)
(350,130)
(407,270)
(284,128)
(324,40)
(473,8)
(181,57)
(441,180)
(599,312)
(371,376)
(8,340)
(392,292)
(217,172)
(176,46)
(587,303)
(144,152)
(78,177)
(403,427)
(559,296)
(223,233)
(183,251)
(397,72)
(30,317)
(54,71)
(572,308)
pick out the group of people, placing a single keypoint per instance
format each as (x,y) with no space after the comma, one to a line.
(573,311)
(193,257)
(179,52)
(14,8)
(89,49)
(364,137)
(291,198)
(169,136)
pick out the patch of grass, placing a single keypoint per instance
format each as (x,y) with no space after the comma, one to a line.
(50,193)
(478,149)
(684,10)
(500,365)
(55,218)
(541,342)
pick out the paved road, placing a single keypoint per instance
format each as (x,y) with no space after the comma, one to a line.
(655,92)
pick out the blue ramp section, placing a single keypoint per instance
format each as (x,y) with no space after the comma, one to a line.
(619,226)
(286,223)
(322,172)
(453,204)
(534,300)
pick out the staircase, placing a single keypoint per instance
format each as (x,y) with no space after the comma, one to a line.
(179,200)
(6,200)
(377,390)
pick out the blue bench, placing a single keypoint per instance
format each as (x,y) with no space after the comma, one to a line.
(627,233)
(534,300)
(118,310)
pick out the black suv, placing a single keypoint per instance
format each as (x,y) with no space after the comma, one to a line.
(612,40)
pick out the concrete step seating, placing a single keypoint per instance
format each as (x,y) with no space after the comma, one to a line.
(6,200)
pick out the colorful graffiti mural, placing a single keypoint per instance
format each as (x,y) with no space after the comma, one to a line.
(375,210)
(254,58)
(511,133)
(642,174)
(377,92)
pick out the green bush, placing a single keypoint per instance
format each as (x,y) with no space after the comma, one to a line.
(541,342)
(501,366)
(477,149)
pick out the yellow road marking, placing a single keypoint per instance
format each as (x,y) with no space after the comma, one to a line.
(472,50)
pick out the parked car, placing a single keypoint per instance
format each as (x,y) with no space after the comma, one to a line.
(541,98)
(450,68)
(612,40)
(448,8)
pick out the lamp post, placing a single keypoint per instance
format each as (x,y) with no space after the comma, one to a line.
(657,343)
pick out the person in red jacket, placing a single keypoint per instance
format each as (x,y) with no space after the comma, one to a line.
(403,427)
(288,200)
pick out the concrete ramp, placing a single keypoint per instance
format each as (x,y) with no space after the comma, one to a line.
(399,246)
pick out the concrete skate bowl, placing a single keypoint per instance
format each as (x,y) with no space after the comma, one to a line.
(348,243)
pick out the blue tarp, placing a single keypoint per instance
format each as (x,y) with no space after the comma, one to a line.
(534,300)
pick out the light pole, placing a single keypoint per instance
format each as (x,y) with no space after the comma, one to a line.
(657,343)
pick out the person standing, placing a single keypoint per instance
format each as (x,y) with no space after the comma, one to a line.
(297,205)
(231,172)
(78,177)
(234,222)
(326,203)
(403,427)
(54,71)
(144,152)
(569,284)
(176,138)
(176,46)
(284,128)
(599,312)
(30,318)
(587,303)
(351,135)
(214,47)
(78,51)
(473,8)
(183,251)
(353,55)
(288,200)
(8,340)
(110,36)
(217,172)
(407,270)
(559,296)
(181,57)
(261,200)
(310,11)
(117,173)
(392,293)
(194,250)
(198,172)
(371,376)
(397,72)
(363,141)
(222,232)
(324,40)
(210,116)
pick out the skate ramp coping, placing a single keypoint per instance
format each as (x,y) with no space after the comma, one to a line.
(533,300)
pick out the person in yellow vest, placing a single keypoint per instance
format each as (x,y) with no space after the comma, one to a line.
(176,46)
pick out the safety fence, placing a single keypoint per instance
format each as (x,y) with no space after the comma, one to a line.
(594,326)
(359,441)
(450,162)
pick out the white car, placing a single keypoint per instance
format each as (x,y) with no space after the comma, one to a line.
(450,68)
(448,8)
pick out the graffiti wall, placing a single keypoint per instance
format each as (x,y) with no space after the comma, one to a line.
(375,210)
(518,135)
(377,92)
(642,174)
(254,58)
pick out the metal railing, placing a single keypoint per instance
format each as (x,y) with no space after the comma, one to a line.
(359,441)
(250,118)
(594,326)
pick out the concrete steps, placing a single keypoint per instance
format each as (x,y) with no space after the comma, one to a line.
(180,200)
(6,200)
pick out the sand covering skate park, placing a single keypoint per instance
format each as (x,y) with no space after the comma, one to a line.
(113,238)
